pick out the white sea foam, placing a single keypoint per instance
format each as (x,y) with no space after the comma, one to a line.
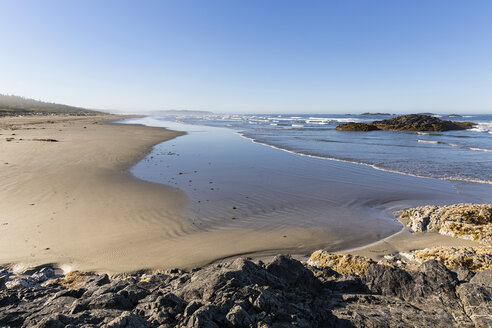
(429,141)
(423,133)
(334,119)
(481,149)
(472,148)
(468,180)
(483,127)
(280,119)
(318,122)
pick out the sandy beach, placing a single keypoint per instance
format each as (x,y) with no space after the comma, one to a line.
(65,202)
(72,202)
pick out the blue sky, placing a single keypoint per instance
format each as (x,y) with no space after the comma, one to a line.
(250,56)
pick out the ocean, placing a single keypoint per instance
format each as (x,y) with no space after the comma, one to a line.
(453,155)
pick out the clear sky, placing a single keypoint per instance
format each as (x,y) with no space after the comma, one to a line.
(250,56)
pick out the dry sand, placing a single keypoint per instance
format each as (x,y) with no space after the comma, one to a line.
(73,203)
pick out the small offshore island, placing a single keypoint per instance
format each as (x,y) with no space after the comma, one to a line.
(410,122)
(410,279)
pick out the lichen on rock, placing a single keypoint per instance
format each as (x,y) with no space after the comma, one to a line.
(466,221)
(472,258)
(72,279)
(341,263)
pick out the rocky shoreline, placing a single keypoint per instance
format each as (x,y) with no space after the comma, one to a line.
(281,293)
(465,221)
(440,287)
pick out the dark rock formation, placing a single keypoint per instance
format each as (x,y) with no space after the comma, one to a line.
(416,122)
(240,293)
(351,126)
(410,122)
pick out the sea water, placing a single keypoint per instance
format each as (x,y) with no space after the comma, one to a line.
(454,155)
(234,183)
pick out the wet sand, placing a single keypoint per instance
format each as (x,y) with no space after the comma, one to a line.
(74,202)
(234,183)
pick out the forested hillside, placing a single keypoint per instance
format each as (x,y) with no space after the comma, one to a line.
(15,105)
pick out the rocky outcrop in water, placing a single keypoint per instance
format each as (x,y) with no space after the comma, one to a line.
(410,122)
(281,293)
(466,221)
(352,126)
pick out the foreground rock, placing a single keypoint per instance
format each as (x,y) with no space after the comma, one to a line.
(411,122)
(281,293)
(466,221)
